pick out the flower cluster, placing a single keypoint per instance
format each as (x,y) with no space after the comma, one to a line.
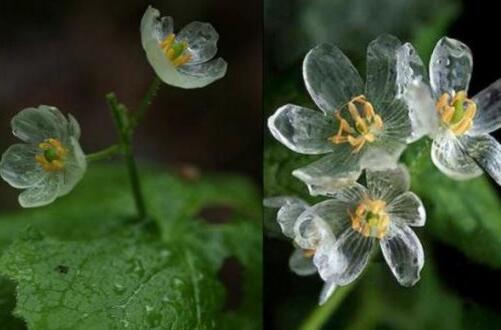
(366,127)
(51,162)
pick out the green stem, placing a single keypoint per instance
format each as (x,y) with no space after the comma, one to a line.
(321,314)
(104,154)
(146,101)
(121,118)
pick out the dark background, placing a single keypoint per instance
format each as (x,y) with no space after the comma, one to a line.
(69,54)
(290,298)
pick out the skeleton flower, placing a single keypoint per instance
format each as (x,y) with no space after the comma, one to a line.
(360,217)
(182,60)
(458,125)
(50,162)
(359,126)
(307,236)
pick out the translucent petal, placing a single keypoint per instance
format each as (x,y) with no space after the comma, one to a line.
(73,127)
(343,260)
(422,113)
(397,124)
(160,64)
(410,68)
(331,173)
(74,168)
(327,291)
(33,125)
(45,192)
(450,66)
(301,265)
(407,209)
(388,184)
(302,130)
(381,83)
(202,74)
(403,252)
(201,39)
(310,231)
(382,154)
(449,157)
(19,168)
(153,28)
(488,117)
(330,77)
(290,208)
(487,153)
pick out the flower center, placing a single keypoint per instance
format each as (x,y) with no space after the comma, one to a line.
(52,155)
(456,111)
(370,218)
(175,51)
(366,124)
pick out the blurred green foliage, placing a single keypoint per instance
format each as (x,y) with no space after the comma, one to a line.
(83,264)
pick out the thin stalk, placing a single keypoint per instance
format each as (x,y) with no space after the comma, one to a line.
(146,101)
(120,117)
(321,314)
(104,154)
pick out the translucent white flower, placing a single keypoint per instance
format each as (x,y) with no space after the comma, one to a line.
(359,217)
(184,59)
(50,162)
(360,125)
(458,125)
(308,236)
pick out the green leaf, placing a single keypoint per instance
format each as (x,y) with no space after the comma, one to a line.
(92,268)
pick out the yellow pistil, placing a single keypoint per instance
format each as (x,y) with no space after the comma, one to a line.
(365,125)
(370,218)
(456,112)
(52,156)
(175,51)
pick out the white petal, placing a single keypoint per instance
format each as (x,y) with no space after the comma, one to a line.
(290,208)
(301,265)
(488,117)
(331,173)
(403,252)
(333,212)
(310,231)
(382,155)
(330,77)
(45,192)
(73,127)
(327,291)
(450,67)
(397,125)
(74,168)
(19,167)
(388,184)
(487,153)
(153,28)
(449,157)
(202,74)
(345,259)
(201,39)
(422,113)
(302,130)
(407,209)
(33,125)
(381,83)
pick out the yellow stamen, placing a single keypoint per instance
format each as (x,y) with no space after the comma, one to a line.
(370,218)
(456,114)
(174,51)
(308,253)
(365,128)
(52,155)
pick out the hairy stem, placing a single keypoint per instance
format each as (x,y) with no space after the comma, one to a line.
(121,119)
(146,102)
